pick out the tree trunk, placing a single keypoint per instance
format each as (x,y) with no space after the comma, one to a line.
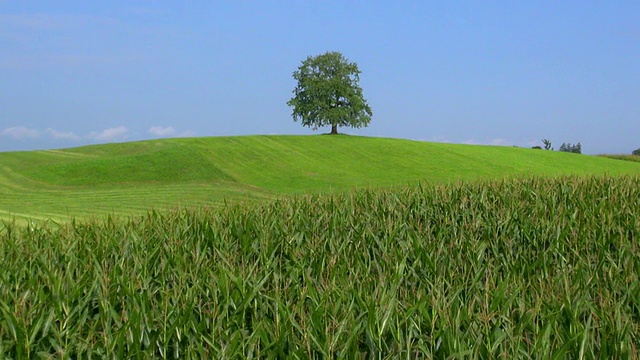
(334,129)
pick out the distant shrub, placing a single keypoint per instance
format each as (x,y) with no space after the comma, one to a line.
(537,147)
(636,152)
(577,148)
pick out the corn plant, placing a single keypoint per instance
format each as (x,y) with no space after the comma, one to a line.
(527,268)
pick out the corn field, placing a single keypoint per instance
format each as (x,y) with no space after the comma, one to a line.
(530,268)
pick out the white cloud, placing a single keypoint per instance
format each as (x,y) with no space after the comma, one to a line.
(501,142)
(162,131)
(111,134)
(497,142)
(60,135)
(20,132)
(440,139)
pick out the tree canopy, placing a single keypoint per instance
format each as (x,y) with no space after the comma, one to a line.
(577,148)
(328,93)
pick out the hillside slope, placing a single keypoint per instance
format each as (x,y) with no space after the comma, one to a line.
(132,177)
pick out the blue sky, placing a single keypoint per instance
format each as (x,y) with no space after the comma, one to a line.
(479,72)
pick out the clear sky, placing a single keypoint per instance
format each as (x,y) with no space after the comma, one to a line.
(481,72)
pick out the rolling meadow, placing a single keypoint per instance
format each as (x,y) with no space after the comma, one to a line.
(131,178)
(317,247)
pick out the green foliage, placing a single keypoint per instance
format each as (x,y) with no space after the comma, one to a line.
(328,93)
(547,144)
(537,269)
(95,181)
(636,152)
(571,148)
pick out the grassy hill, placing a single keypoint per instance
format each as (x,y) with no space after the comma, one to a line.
(131,178)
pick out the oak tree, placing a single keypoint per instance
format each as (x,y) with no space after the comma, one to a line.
(328,93)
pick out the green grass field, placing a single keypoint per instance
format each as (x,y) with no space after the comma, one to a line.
(131,178)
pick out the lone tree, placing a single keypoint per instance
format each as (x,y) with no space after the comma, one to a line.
(328,93)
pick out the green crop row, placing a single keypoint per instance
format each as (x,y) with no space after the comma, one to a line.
(531,268)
